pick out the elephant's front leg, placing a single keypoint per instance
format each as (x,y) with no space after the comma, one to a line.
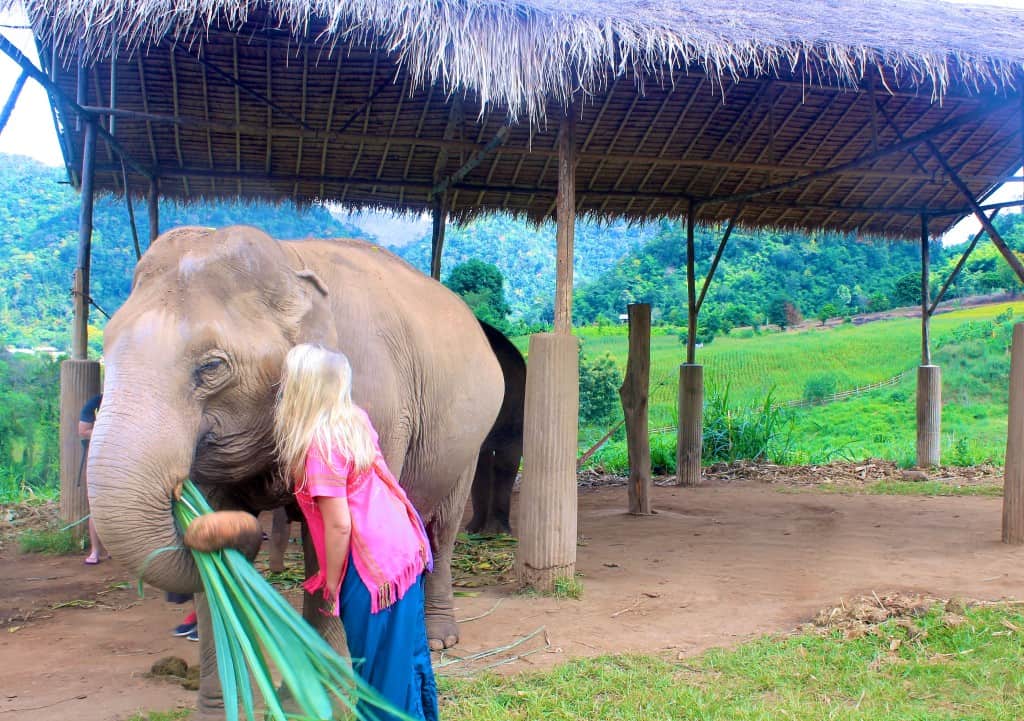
(210,705)
(442,631)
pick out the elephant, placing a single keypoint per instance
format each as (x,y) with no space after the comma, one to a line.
(192,361)
(503,448)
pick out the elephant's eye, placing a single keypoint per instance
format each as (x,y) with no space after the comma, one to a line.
(209,371)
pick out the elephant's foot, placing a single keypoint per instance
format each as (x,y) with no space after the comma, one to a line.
(491,526)
(442,631)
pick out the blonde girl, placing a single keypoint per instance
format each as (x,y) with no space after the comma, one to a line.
(370,542)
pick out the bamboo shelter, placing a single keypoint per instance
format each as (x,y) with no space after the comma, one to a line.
(873,118)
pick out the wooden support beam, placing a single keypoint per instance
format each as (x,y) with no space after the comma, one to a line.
(457,177)
(926,345)
(904,145)
(62,98)
(690,438)
(979,213)
(691,284)
(12,100)
(131,212)
(80,333)
(153,207)
(566,221)
(959,265)
(440,214)
(635,396)
(718,257)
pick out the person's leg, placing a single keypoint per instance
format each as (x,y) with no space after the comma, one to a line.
(96,549)
(381,646)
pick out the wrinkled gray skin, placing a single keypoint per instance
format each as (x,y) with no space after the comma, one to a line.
(502,450)
(192,359)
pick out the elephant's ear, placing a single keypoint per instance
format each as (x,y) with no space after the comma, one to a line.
(312,321)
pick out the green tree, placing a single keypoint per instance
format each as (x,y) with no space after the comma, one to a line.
(827,311)
(907,290)
(599,389)
(482,286)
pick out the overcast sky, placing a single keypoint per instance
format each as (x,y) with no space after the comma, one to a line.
(30,129)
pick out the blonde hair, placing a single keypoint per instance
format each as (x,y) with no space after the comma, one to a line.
(314,407)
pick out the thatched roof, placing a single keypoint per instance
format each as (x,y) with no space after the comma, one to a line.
(375,102)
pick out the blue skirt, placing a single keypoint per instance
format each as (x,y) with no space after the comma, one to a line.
(389,649)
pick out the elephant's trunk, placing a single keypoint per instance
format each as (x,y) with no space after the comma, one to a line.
(141,449)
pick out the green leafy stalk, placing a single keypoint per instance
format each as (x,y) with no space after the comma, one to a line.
(252,622)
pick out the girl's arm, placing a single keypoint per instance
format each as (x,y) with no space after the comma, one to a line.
(337,534)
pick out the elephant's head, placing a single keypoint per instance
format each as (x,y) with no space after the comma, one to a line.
(192,360)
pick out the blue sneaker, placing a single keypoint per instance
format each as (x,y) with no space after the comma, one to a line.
(186,629)
(193,635)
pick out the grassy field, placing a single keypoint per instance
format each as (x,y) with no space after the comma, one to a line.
(939,667)
(749,367)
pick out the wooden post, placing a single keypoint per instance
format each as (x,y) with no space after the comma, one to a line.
(566,222)
(153,200)
(1013,473)
(437,236)
(547,506)
(690,438)
(80,283)
(79,381)
(929,377)
(691,424)
(634,393)
(691,286)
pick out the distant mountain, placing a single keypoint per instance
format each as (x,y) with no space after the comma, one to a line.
(525,254)
(39,239)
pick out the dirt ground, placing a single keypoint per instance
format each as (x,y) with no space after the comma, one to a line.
(751,552)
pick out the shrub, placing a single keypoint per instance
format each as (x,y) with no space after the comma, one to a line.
(599,389)
(819,386)
(50,541)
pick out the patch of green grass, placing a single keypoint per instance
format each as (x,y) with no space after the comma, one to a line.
(876,424)
(932,671)
(50,541)
(176,715)
(931,488)
(568,587)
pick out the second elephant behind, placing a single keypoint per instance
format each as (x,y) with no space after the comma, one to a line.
(502,449)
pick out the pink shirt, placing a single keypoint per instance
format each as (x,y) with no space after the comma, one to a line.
(389,544)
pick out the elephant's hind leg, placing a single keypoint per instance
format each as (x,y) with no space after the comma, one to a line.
(442,631)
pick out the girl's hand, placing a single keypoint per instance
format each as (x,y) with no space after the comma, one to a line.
(331,602)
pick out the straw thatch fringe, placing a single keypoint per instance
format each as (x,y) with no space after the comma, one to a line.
(524,55)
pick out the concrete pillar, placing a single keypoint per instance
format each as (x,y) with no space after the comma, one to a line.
(79,381)
(929,415)
(547,499)
(1013,481)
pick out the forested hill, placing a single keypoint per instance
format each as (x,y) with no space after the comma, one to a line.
(771,273)
(525,254)
(39,239)
(614,264)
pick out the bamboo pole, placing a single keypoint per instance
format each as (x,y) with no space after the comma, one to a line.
(634,394)
(1013,480)
(153,205)
(547,507)
(691,286)
(437,235)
